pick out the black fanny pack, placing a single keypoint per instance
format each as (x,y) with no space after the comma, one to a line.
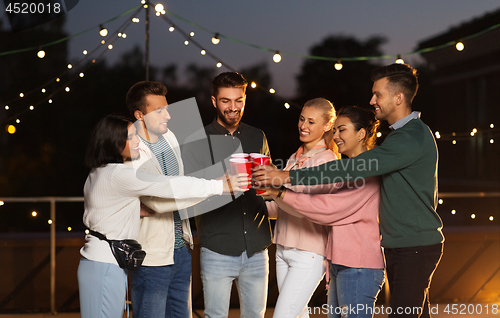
(128,253)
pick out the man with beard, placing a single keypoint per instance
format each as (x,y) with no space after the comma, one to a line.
(233,236)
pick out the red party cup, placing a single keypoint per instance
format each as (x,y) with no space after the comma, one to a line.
(241,166)
(260,160)
(240,156)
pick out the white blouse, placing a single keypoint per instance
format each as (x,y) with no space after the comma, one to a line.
(112,205)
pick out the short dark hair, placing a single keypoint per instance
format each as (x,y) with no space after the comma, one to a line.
(107,141)
(362,118)
(136,95)
(228,79)
(401,76)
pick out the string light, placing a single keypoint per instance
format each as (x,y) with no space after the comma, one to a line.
(11,129)
(438,135)
(338,66)
(44,90)
(492,141)
(440,201)
(103,32)
(191,34)
(143,1)
(102,42)
(50,101)
(203,52)
(34,214)
(87,231)
(215,39)
(253,85)
(32,107)
(159,7)
(379,134)
(472,216)
(41,54)
(459,46)
(171,29)
(492,126)
(21,94)
(272,91)
(135,20)
(219,64)
(7,107)
(186,42)
(49,221)
(85,52)
(81,74)
(2,203)
(69,228)
(119,34)
(453,212)
(287,106)
(277,57)
(18,121)
(145,6)
(491,218)
(399,60)
(124,35)
(67,89)
(70,66)
(110,47)
(454,142)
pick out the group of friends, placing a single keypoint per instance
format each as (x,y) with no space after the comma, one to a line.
(354,219)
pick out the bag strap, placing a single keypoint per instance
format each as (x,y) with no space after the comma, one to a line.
(98,235)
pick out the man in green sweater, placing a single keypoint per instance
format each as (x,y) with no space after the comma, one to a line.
(407,162)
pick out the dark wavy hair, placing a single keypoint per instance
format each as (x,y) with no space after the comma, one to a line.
(401,77)
(362,118)
(107,141)
(228,79)
(136,95)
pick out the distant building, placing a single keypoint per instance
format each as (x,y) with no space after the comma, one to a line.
(467,96)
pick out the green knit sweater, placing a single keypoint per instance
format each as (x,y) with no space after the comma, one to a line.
(407,161)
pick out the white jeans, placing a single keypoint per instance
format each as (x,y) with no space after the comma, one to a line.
(298,274)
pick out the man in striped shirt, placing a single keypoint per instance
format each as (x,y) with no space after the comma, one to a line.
(162,286)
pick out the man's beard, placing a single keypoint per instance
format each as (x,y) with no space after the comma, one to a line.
(229,121)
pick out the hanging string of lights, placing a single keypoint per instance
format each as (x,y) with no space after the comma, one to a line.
(277,53)
(113,37)
(215,40)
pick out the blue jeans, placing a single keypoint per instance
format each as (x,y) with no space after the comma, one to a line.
(353,291)
(163,291)
(250,274)
(102,288)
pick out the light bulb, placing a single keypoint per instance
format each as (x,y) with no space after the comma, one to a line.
(186,42)
(272,91)
(7,107)
(70,66)
(379,134)
(159,7)
(32,107)
(219,65)
(253,85)
(50,101)
(18,120)
(11,129)
(85,52)
(215,39)
(82,75)
(492,141)
(277,57)
(453,212)
(21,95)
(399,60)
(472,216)
(124,36)
(459,46)
(43,90)
(203,52)
(438,135)
(287,106)
(338,66)
(67,89)
(103,32)
(110,47)
(492,126)
(191,34)
(171,29)
(41,54)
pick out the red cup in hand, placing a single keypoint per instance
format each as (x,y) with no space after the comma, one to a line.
(260,160)
(241,166)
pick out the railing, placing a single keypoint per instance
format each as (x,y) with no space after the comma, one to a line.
(54,200)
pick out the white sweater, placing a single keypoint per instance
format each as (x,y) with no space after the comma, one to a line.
(112,206)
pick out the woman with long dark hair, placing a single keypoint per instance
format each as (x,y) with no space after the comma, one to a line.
(112,207)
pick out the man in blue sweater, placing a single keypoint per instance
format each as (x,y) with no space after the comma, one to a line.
(407,162)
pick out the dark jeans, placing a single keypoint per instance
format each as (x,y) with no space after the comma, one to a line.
(163,291)
(409,272)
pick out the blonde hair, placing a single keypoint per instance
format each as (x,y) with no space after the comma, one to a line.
(329,116)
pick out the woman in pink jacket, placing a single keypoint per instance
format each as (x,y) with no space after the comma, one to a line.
(300,243)
(351,211)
